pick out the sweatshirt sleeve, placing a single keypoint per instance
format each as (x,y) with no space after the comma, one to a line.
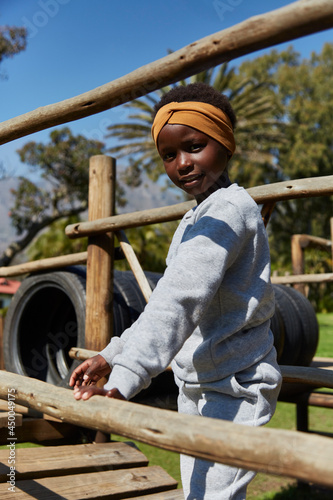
(209,246)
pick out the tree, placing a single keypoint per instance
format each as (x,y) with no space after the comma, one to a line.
(258,133)
(61,192)
(12,41)
(304,92)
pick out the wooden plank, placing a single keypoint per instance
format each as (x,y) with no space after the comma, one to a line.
(38,430)
(259,32)
(281,452)
(4,420)
(164,495)
(35,463)
(107,485)
(271,193)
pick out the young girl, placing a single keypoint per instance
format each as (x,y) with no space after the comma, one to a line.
(210,313)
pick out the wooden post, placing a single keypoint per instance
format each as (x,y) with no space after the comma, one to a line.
(99,294)
(297,260)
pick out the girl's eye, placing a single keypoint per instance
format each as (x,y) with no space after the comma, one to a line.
(168,156)
(196,147)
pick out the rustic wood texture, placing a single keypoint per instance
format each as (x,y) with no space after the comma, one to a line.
(302,278)
(289,453)
(134,264)
(34,463)
(271,193)
(41,431)
(44,264)
(308,375)
(99,284)
(259,32)
(322,377)
(4,419)
(115,484)
(164,495)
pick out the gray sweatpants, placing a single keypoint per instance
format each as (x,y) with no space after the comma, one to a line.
(252,404)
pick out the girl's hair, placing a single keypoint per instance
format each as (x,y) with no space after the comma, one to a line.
(198,92)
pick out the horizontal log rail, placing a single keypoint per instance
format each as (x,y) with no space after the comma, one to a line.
(44,264)
(320,377)
(282,25)
(293,279)
(280,191)
(273,451)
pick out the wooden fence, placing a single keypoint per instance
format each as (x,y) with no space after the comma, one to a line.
(293,454)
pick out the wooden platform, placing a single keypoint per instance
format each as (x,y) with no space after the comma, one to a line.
(91,471)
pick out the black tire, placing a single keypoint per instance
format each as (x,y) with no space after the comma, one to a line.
(309,329)
(45,319)
(292,327)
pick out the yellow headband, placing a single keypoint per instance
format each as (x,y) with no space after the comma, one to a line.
(206,118)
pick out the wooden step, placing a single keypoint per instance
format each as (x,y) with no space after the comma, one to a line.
(34,463)
(5,422)
(164,495)
(107,485)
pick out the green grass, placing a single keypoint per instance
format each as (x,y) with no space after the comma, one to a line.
(264,486)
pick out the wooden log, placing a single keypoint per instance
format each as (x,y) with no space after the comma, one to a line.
(321,377)
(303,278)
(308,375)
(44,264)
(99,285)
(81,354)
(289,453)
(271,193)
(259,32)
(134,264)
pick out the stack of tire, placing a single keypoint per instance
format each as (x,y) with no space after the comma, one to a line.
(47,317)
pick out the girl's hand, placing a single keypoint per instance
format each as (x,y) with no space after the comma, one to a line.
(86,392)
(90,371)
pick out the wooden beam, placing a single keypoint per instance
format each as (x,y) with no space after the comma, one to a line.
(302,278)
(287,23)
(274,451)
(271,193)
(99,285)
(44,264)
(134,265)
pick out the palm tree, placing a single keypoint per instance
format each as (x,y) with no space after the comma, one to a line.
(258,132)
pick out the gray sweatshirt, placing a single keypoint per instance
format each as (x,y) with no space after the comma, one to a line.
(210,312)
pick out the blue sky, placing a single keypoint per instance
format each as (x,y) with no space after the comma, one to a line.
(77,45)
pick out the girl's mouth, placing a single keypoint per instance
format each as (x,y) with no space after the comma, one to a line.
(191,181)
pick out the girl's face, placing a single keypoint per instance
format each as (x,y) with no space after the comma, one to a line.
(193,161)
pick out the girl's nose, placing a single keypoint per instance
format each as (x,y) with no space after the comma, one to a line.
(184,161)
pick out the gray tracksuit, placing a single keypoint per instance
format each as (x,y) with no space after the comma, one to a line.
(209,315)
